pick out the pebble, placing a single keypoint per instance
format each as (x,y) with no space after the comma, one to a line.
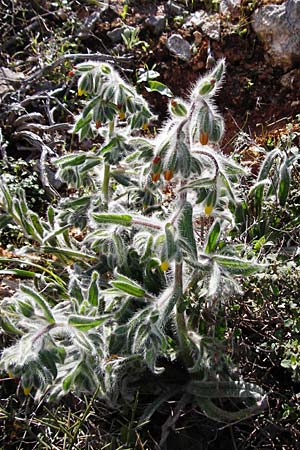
(179,47)
(115,35)
(156,24)
(172,9)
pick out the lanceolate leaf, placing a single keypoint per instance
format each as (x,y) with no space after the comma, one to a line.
(19,273)
(93,292)
(51,215)
(213,237)
(267,164)
(37,224)
(48,359)
(55,233)
(66,252)
(259,186)
(284,184)
(186,229)
(67,382)
(7,196)
(71,160)
(40,301)
(83,323)
(128,286)
(257,191)
(171,246)
(237,266)
(199,183)
(9,327)
(82,122)
(223,389)
(184,159)
(37,266)
(113,219)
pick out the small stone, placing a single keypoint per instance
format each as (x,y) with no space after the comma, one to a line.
(89,25)
(196,20)
(116,35)
(173,10)
(291,79)
(179,47)
(295,103)
(210,24)
(212,28)
(156,24)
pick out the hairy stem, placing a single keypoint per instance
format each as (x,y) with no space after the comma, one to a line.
(106,173)
(182,331)
(105,184)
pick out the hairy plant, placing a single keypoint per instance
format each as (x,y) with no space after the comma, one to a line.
(144,278)
(266,211)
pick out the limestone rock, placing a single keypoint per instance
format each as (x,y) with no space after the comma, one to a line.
(173,9)
(156,24)
(278,26)
(230,7)
(209,24)
(116,34)
(179,47)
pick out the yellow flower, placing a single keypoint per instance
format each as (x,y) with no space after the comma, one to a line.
(145,127)
(10,374)
(121,115)
(80,92)
(208,209)
(26,390)
(164,266)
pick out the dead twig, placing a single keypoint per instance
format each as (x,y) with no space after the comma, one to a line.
(73,57)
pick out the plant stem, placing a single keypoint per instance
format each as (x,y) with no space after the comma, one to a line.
(182,332)
(105,184)
(106,174)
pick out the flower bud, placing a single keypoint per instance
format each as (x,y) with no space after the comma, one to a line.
(155,177)
(203,138)
(168,174)
(206,87)
(27,390)
(156,166)
(219,70)
(178,109)
(211,201)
